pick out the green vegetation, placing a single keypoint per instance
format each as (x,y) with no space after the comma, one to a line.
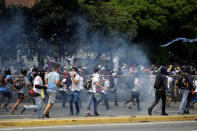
(147,23)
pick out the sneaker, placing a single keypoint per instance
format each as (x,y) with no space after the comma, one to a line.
(96,114)
(181,113)
(88,114)
(186,112)
(71,113)
(46,115)
(5,108)
(12,112)
(149,111)
(164,114)
(24,109)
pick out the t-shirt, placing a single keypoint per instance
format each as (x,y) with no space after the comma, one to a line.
(96,78)
(106,86)
(76,87)
(38,81)
(5,88)
(81,83)
(52,78)
(169,81)
(196,85)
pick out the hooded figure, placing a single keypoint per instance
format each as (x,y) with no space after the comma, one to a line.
(160,87)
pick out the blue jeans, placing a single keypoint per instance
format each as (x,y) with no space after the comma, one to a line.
(93,98)
(195,98)
(5,94)
(104,97)
(79,101)
(74,96)
(183,105)
(63,97)
(39,105)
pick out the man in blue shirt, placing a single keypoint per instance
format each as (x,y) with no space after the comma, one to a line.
(52,81)
(4,92)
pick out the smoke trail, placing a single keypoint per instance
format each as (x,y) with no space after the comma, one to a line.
(180,39)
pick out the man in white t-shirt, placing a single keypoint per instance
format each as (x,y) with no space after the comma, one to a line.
(74,90)
(92,93)
(38,87)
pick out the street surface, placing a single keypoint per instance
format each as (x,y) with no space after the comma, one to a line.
(152,126)
(60,112)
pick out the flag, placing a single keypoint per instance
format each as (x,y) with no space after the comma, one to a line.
(50,65)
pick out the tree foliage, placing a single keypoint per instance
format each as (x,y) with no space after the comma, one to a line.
(53,24)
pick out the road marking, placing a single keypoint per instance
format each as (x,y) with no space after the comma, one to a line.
(98,125)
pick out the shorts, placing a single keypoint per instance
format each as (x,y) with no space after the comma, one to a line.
(21,96)
(52,97)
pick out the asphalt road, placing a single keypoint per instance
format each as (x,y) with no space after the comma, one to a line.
(59,112)
(159,126)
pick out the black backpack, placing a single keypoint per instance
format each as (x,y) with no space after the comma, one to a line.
(88,84)
(19,82)
(2,80)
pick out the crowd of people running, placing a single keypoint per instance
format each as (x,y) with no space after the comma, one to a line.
(50,84)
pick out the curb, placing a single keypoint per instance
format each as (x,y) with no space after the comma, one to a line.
(91,120)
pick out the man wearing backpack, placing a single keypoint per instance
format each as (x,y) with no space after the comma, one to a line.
(161,88)
(92,93)
(5,84)
(19,83)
